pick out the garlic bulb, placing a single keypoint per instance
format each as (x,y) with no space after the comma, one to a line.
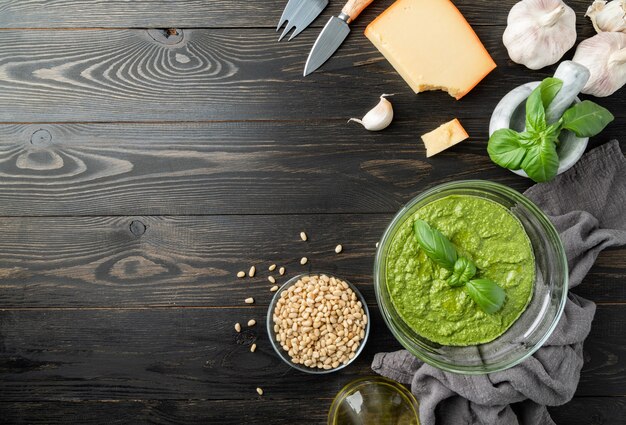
(609,16)
(539,32)
(604,55)
(379,117)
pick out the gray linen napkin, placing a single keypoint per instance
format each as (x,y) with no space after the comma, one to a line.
(587,205)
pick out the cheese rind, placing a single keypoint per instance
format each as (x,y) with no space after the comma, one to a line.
(431,46)
(444,136)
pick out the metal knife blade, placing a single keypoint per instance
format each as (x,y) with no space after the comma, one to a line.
(334,33)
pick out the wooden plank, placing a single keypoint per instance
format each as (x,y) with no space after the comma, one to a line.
(591,411)
(259,411)
(99,262)
(581,410)
(200,13)
(228,74)
(234,167)
(605,281)
(194,353)
(154,353)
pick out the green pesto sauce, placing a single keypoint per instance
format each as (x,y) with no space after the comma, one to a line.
(482,231)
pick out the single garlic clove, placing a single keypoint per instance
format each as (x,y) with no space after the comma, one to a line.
(608,17)
(539,32)
(604,55)
(379,117)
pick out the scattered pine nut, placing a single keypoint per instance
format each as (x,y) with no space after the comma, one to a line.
(241,274)
(237,327)
(338,248)
(376,244)
(304,260)
(281,271)
(251,322)
(271,279)
(259,391)
(252,271)
(274,288)
(249,300)
(272,267)
(303,236)
(253,348)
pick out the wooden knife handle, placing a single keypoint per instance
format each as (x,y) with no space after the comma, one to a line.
(354,7)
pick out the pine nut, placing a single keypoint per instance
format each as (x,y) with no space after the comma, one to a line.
(249,300)
(241,274)
(251,322)
(303,260)
(271,279)
(253,348)
(237,327)
(274,288)
(319,322)
(303,236)
(259,391)
(281,271)
(338,248)
(272,267)
(252,271)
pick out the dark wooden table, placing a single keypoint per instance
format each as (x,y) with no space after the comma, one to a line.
(149,150)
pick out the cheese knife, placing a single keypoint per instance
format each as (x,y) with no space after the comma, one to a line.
(333,34)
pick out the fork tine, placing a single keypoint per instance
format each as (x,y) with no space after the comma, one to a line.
(299,14)
(307,14)
(304,16)
(281,22)
(288,12)
(288,28)
(295,32)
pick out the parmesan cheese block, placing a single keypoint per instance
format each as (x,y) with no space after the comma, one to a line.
(431,45)
(444,136)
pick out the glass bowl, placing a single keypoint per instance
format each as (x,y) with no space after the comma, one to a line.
(535,324)
(374,400)
(279,349)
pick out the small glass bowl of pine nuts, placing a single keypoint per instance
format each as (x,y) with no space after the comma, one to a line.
(318,323)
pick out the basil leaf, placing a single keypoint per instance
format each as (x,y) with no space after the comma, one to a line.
(528,140)
(464,270)
(554,130)
(436,246)
(535,112)
(542,162)
(586,119)
(505,149)
(549,87)
(486,294)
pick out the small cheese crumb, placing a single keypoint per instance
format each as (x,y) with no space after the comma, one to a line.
(443,137)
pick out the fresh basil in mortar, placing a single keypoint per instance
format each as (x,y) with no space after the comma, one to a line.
(534,150)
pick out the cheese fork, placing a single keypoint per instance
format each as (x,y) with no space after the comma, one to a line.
(299,14)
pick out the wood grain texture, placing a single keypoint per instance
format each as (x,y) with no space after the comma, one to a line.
(194,353)
(234,167)
(125,75)
(139,172)
(588,410)
(107,262)
(170,412)
(155,353)
(591,411)
(201,13)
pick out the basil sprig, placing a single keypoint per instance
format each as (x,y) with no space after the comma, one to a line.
(487,295)
(534,150)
